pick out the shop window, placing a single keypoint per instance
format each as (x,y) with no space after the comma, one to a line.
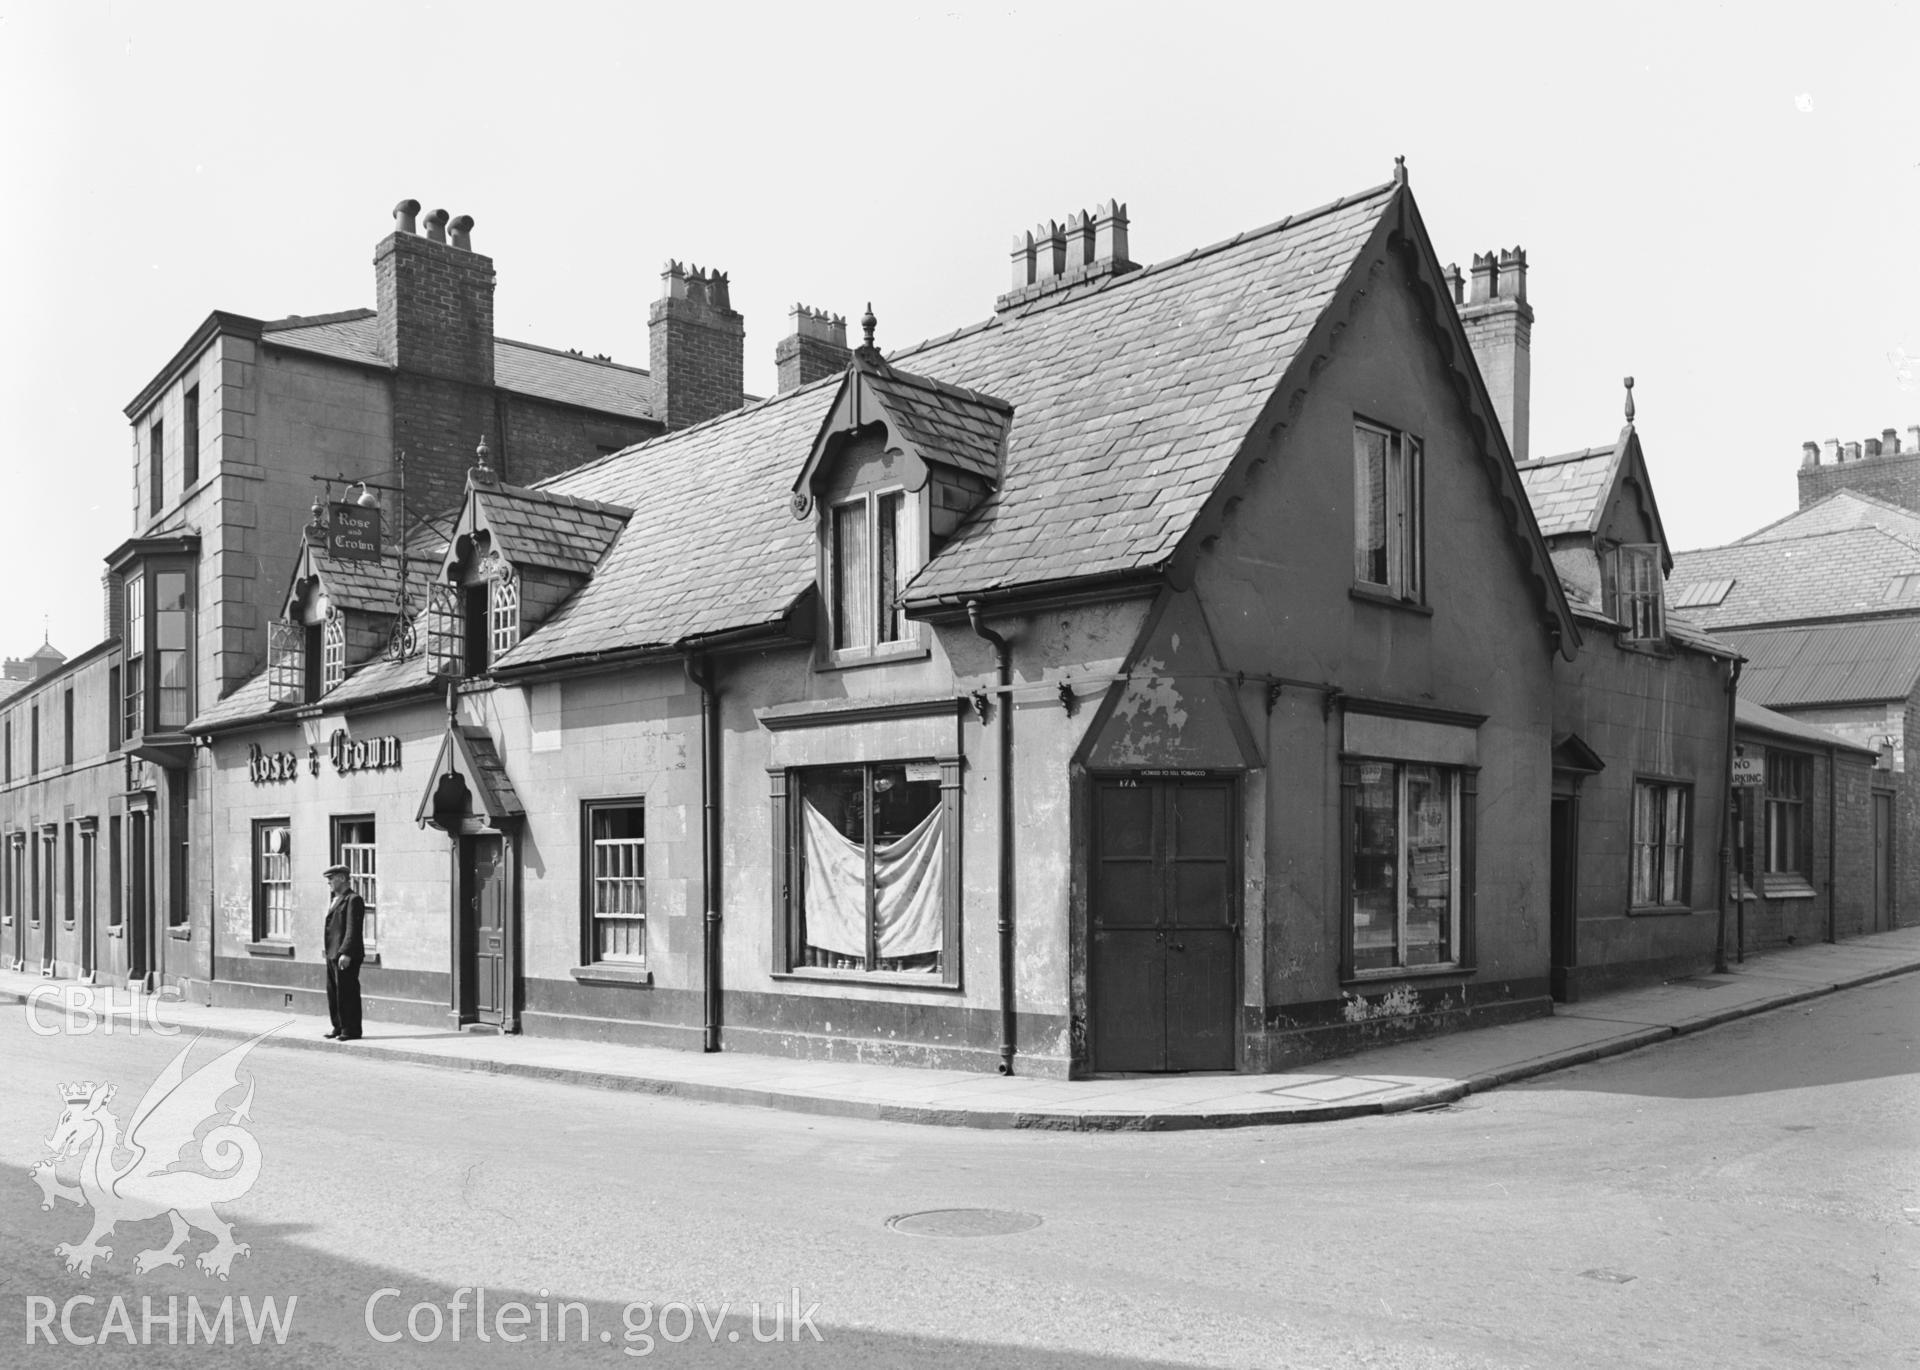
(1388,496)
(1408,840)
(1637,593)
(272,880)
(871,552)
(870,887)
(354,848)
(136,647)
(1662,818)
(1784,847)
(616,893)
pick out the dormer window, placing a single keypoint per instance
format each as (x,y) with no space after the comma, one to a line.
(333,652)
(871,552)
(1637,585)
(307,650)
(503,613)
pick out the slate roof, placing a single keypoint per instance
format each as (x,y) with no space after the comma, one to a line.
(1841,510)
(353,335)
(1831,663)
(951,421)
(1826,575)
(1569,492)
(1755,717)
(1131,396)
(372,587)
(548,528)
(248,701)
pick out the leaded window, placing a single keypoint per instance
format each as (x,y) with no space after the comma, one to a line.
(503,614)
(333,652)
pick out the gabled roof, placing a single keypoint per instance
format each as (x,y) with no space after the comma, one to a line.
(1572,493)
(1756,718)
(470,753)
(936,421)
(1841,510)
(541,527)
(368,587)
(1845,573)
(1831,663)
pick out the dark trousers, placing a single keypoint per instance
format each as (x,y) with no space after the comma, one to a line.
(343,998)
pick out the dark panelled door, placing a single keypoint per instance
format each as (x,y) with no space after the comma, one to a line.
(1882,863)
(1164,925)
(484,889)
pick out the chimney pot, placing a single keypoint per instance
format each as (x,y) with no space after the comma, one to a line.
(404,215)
(1022,261)
(1809,454)
(1484,267)
(1081,244)
(1913,438)
(1830,450)
(1456,283)
(437,226)
(1889,440)
(1870,448)
(1511,282)
(1110,234)
(673,281)
(1853,451)
(1049,251)
(461,230)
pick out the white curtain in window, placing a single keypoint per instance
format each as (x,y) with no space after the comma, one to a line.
(906,878)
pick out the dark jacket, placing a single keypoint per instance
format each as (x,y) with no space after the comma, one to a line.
(345,917)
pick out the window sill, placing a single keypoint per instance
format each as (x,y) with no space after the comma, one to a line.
(269,948)
(1392,973)
(1386,599)
(115,931)
(1646,646)
(180,932)
(1797,889)
(875,656)
(890,979)
(1661,910)
(636,977)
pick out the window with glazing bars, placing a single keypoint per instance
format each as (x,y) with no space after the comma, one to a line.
(1661,814)
(1638,587)
(617,882)
(272,881)
(503,614)
(333,653)
(354,848)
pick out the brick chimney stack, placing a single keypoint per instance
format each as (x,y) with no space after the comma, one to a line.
(435,299)
(696,347)
(816,349)
(1499,325)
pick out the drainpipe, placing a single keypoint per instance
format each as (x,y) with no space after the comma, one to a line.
(703,680)
(1833,790)
(1727,873)
(1003,658)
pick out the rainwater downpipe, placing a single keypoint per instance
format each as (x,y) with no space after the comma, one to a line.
(1003,659)
(703,680)
(1833,789)
(1729,874)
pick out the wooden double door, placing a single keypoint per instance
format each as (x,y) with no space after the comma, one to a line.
(1164,924)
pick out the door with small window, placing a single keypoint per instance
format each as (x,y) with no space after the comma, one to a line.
(1164,924)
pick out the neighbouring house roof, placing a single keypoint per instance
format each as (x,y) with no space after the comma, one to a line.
(523,368)
(1830,663)
(1841,510)
(547,528)
(1846,572)
(1757,718)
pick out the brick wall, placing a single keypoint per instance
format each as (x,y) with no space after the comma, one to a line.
(436,308)
(802,360)
(540,439)
(696,351)
(1895,479)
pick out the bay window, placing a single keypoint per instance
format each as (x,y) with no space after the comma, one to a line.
(136,647)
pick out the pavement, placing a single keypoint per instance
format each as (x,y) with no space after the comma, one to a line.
(1427,1073)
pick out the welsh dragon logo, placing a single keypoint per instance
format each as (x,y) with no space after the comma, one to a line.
(150,1183)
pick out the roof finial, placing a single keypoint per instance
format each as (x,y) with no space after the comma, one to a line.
(1628,382)
(481,473)
(868,323)
(1399,171)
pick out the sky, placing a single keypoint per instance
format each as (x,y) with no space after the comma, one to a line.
(1718,200)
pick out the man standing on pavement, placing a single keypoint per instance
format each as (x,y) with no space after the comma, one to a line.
(345,916)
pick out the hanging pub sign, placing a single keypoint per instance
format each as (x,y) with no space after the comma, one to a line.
(353,532)
(363,753)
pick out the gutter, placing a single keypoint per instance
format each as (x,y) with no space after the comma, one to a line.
(952,608)
(1003,658)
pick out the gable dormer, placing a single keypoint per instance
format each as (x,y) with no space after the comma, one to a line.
(517,554)
(899,462)
(339,614)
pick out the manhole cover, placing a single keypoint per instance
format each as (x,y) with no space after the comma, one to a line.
(963,1222)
